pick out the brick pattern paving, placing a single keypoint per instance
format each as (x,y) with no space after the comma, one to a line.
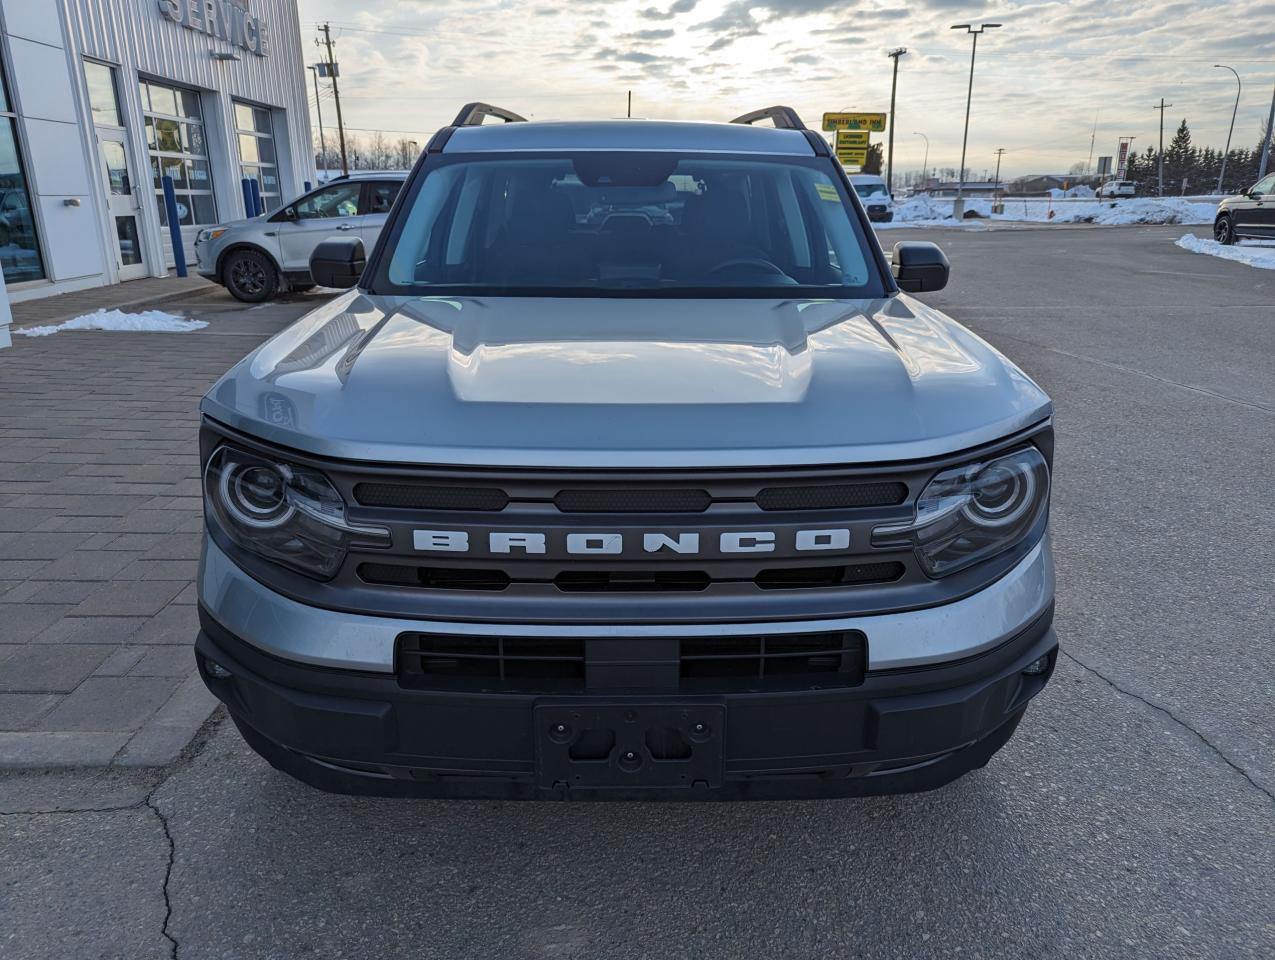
(100,520)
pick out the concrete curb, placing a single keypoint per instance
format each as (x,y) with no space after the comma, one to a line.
(159,742)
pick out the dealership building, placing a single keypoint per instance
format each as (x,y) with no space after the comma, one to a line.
(103,98)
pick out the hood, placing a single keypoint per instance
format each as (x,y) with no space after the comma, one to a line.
(582,382)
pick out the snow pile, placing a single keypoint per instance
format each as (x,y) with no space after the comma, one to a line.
(1263,257)
(150,321)
(1136,210)
(923,210)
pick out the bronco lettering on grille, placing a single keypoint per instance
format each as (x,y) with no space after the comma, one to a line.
(612,544)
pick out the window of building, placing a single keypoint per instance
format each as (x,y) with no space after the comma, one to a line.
(102,99)
(19,247)
(257,157)
(178,149)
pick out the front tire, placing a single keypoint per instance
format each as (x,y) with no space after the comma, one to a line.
(250,276)
(1224,231)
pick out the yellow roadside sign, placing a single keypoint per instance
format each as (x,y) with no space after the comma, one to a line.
(852,156)
(852,138)
(854,121)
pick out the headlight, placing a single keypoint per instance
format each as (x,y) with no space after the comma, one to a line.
(210,233)
(283,512)
(975,511)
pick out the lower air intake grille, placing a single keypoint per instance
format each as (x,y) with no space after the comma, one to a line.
(429,658)
(436,578)
(808,655)
(798,578)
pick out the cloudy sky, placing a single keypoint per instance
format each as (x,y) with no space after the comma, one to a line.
(1041,79)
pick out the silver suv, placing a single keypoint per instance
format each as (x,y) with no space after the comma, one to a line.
(629,468)
(258,257)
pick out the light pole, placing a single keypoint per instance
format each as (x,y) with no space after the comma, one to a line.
(1266,143)
(925,164)
(894,84)
(1226,153)
(969,95)
(1163,106)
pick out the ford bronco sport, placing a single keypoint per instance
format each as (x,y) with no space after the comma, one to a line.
(627,468)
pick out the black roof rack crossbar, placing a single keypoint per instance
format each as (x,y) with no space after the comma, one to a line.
(785,118)
(473,114)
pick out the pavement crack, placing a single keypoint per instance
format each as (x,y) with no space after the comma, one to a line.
(168,870)
(1175,718)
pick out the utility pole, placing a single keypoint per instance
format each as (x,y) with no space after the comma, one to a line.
(969,98)
(1266,144)
(630,113)
(894,85)
(1163,106)
(1000,152)
(323,144)
(336,95)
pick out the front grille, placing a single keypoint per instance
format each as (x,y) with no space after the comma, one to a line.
(563,664)
(833,496)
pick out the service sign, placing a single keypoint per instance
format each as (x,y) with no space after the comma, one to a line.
(227,20)
(852,156)
(854,121)
(852,138)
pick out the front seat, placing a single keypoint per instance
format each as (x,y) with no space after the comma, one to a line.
(539,247)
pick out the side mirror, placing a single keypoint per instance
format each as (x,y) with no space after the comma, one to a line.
(338,263)
(919,267)
(290,213)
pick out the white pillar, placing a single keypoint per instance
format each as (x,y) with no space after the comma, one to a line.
(6,315)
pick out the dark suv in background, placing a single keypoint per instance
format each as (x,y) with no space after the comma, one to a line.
(1248,216)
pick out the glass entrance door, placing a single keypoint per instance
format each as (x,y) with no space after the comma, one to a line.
(121,189)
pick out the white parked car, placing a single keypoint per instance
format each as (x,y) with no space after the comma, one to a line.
(1117,188)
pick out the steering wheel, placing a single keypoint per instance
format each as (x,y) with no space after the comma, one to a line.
(744,267)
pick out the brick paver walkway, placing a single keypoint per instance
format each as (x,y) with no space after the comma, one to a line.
(100,519)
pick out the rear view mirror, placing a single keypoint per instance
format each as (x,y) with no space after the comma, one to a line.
(919,267)
(338,263)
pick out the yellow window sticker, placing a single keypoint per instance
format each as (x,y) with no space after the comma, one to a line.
(827,191)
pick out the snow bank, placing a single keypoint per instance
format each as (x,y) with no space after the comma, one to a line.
(924,210)
(1262,257)
(151,321)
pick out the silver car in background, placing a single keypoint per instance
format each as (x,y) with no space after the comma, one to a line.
(256,258)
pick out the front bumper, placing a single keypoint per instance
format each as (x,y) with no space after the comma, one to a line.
(365,733)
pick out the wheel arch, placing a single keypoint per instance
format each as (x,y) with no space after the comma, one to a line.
(239,245)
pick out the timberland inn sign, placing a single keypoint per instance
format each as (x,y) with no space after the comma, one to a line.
(227,20)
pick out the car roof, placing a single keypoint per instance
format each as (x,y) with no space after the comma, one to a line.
(630,135)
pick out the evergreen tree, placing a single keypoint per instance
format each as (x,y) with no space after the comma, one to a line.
(1177,160)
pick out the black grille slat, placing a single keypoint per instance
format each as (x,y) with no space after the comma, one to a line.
(833,496)
(602,581)
(409,496)
(633,501)
(433,578)
(809,578)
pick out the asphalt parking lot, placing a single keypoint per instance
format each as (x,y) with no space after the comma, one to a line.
(1133,815)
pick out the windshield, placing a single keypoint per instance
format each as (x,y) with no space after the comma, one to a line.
(870,190)
(639,224)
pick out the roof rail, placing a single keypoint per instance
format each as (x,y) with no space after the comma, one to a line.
(473,114)
(785,118)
